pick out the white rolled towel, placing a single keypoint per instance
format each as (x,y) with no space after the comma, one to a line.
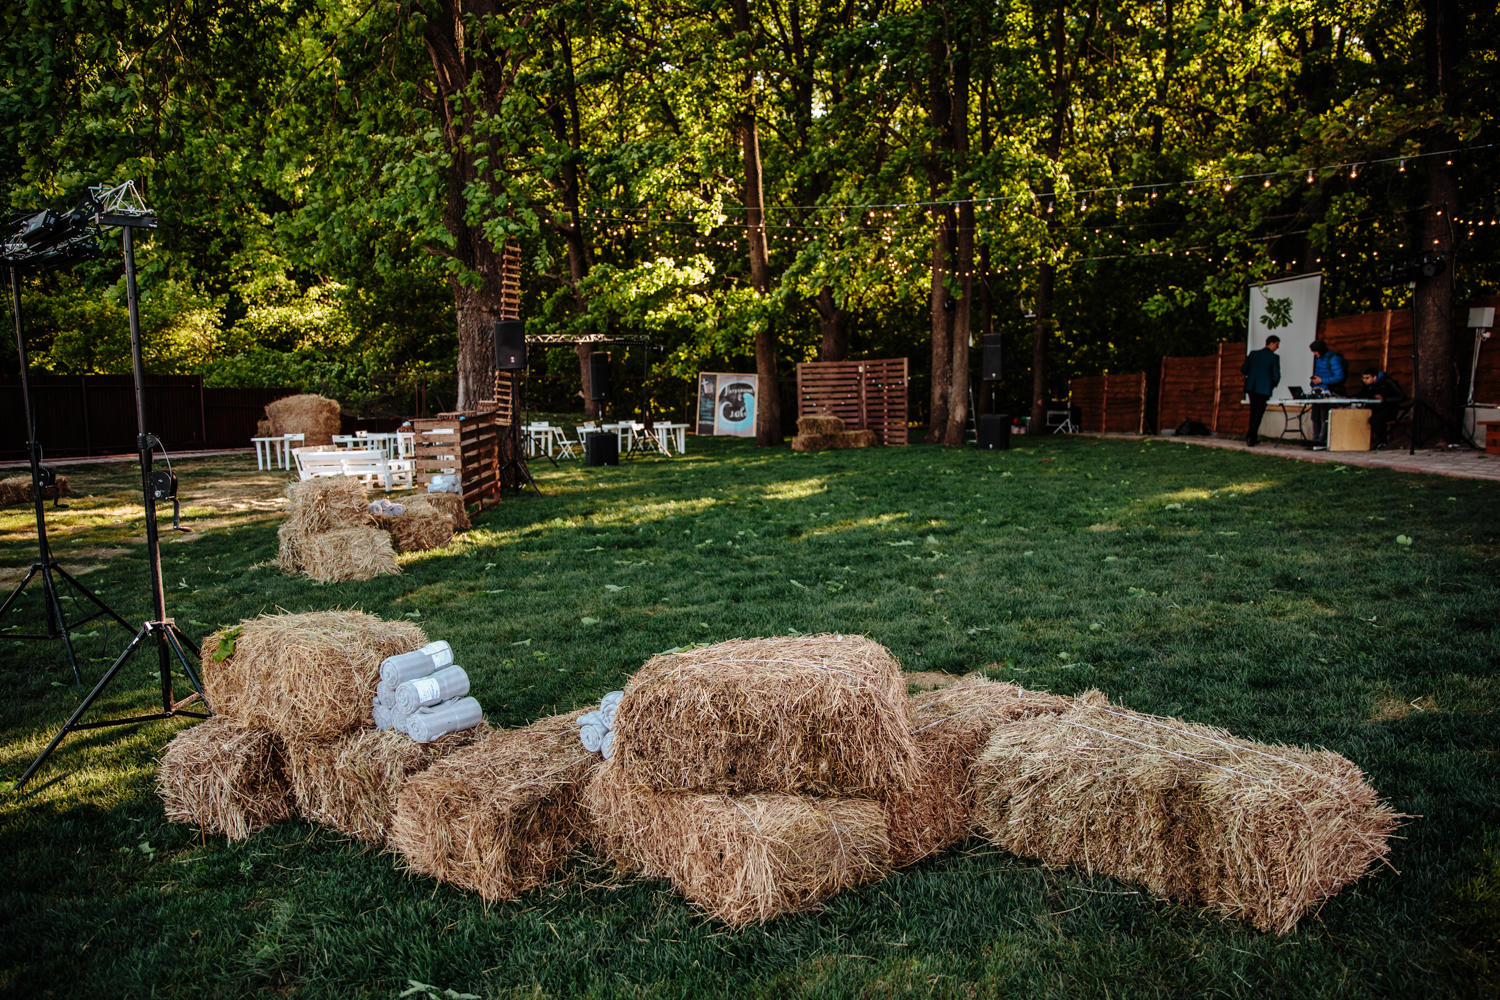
(607,745)
(613,698)
(419,663)
(607,713)
(592,719)
(445,685)
(592,737)
(427,724)
(382,715)
(386,692)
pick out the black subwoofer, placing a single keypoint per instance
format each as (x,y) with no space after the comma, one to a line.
(601,448)
(993,431)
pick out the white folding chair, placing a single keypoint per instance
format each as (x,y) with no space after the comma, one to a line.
(565,448)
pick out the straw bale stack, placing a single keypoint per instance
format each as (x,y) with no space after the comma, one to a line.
(420,526)
(743,859)
(17,489)
(315,506)
(225,779)
(833,442)
(1253,831)
(498,816)
(816,425)
(818,714)
(317,417)
(263,428)
(865,438)
(351,782)
(951,725)
(349,554)
(306,676)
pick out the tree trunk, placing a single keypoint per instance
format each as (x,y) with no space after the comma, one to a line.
(939,178)
(768,389)
(568,129)
(963,312)
(835,345)
(1046,276)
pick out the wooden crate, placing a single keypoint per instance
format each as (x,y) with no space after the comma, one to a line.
(466,444)
(866,395)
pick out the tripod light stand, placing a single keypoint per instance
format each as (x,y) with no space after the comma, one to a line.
(122,207)
(58,626)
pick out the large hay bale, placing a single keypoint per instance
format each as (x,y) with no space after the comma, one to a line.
(951,725)
(745,859)
(865,438)
(316,417)
(307,676)
(1254,831)
(225,779)
(17,489)
(816,714)
(816,442)
(810,425)
(420,526)
(451,504)
(499,816)
(350,783)
(263,428)
(326,504)
(348,554)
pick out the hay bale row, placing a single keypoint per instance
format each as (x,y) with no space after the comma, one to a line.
(951,725)
(422,525)
(819,425)
(821,714)
(349,554)
(304,677)
(500,815)
(351,782)
(225,779)
(743,859)
(328,533)
(316,417)
(833,442)
(1256,832)
(17,489)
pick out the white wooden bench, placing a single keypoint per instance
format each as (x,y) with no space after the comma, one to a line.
(367,464)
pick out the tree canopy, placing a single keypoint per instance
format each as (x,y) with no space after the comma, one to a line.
(750,185)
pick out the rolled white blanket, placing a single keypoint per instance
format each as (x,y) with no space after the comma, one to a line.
(607,745)
(419,663)
(386,692)
(420,692)
(382,716)
(592,737)
(427,724)
(607,714)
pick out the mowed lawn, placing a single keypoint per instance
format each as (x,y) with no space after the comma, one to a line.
(1271,597)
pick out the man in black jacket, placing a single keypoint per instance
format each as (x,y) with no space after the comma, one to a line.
(1381,387)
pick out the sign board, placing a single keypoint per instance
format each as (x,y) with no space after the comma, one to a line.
(1287,308)
(726,404)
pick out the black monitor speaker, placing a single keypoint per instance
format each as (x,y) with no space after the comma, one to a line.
(992,362)
(599,376)
(510,344)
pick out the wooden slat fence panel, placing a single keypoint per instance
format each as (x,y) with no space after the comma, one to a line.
(1187,391)
(1113,404)
(864,394)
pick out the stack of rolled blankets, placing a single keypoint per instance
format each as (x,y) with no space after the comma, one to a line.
(424,694)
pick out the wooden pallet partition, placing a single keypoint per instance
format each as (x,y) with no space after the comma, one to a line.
(864,394)
(1113,404)
(467,445)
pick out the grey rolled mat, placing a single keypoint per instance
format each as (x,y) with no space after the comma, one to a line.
(427,724)
(431,657)
(383,716)
(420,692)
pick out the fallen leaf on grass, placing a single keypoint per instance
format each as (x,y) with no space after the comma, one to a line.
(613,587)
(1403,540)
(800,586)
(588,621)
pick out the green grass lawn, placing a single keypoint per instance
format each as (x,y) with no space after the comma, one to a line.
(1267,596)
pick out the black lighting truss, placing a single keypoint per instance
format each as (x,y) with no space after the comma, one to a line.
(42,241)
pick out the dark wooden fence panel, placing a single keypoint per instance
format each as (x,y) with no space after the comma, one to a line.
(1114,404)
(864,394)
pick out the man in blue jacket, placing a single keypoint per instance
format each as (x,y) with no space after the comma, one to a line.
(1262,371)
(1327,380)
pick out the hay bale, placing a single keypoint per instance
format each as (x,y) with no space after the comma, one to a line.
(499,816)
(350,783)
(1253,831)
(349,554)
(224,779)
(316,417)
(745,859)
(951,725)
(17,489)
(306,677)
(421,526)
(815,442)
(816,714)
(263,428)
(451,504)
(858,439)
(820,425)
(326,504)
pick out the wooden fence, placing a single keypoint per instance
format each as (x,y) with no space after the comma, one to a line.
(1113,404)
(866,394)
(1210,389)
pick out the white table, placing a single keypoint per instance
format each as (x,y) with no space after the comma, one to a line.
(275,452)
(387,443)
(672,433)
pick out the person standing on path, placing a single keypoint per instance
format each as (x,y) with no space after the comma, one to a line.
(1262,371)
(1327,380)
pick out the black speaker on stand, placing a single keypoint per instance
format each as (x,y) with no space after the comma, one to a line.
(599,387)
(510,356)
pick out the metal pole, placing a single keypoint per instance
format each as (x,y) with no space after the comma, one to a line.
(32,450)
(1416,375)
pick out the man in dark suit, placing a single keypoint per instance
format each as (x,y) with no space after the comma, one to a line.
(1262,371)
